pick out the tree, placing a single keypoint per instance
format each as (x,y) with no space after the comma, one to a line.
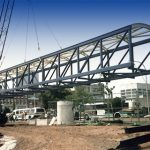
(52,96)
(80,96)
(116,104)
(6,110)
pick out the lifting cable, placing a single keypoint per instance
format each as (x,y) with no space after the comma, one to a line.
(50,30)
(54,36)
(5,17)
(3,5)
(1,63)
(35,26)
(17,24)
(26,44)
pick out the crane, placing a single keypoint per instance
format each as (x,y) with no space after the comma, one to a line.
(6,8)
(5,18)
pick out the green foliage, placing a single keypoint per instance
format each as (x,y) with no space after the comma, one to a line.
(116,104)
(51,96)
(80,96)
(6,110)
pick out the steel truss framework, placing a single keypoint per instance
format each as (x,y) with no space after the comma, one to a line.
(104,58)
(6,8)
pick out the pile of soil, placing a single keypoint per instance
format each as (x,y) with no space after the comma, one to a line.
(65,137)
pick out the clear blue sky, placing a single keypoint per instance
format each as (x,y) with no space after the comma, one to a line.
(72,21)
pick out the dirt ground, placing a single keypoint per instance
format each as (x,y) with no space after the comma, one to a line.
(65,137)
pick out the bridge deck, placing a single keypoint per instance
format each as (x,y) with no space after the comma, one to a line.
(112,56)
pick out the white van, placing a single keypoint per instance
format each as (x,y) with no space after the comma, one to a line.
(28,113)
(36,112)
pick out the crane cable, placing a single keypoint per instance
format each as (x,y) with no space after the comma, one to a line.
(54,36)
(17,24)
(1,63)
(26,44)
(35,26)
(3,5)
(5,11)
(12,7)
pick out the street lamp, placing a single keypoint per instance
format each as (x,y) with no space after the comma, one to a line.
(146,87)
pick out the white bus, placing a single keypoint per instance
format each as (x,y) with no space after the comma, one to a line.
(101,110)
(28,113)
(98,109)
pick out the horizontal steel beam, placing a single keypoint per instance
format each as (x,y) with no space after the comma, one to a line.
(84,63)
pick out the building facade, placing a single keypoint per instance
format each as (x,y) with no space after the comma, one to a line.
(135,93)
(20,102)
(96,90)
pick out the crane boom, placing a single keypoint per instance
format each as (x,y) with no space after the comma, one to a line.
(5,17)
(6,8)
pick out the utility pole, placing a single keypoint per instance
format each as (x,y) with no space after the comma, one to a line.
(147,97)
(109,97)
(138,105)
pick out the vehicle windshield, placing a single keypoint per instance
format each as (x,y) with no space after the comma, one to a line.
(40,110)
(98,106)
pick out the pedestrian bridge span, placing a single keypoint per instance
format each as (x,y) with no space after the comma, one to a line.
(122,53)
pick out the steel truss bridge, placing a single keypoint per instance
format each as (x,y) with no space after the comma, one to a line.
(123,53)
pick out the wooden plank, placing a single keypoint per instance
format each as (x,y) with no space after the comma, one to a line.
(134,142)
(137,129)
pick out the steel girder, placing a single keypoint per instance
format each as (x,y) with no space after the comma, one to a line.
(111,56)
(6,8)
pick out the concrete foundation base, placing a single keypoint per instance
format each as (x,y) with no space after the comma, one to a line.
(32,122)
(42,122)
(39,122)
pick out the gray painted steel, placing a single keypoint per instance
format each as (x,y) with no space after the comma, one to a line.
(104,58)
